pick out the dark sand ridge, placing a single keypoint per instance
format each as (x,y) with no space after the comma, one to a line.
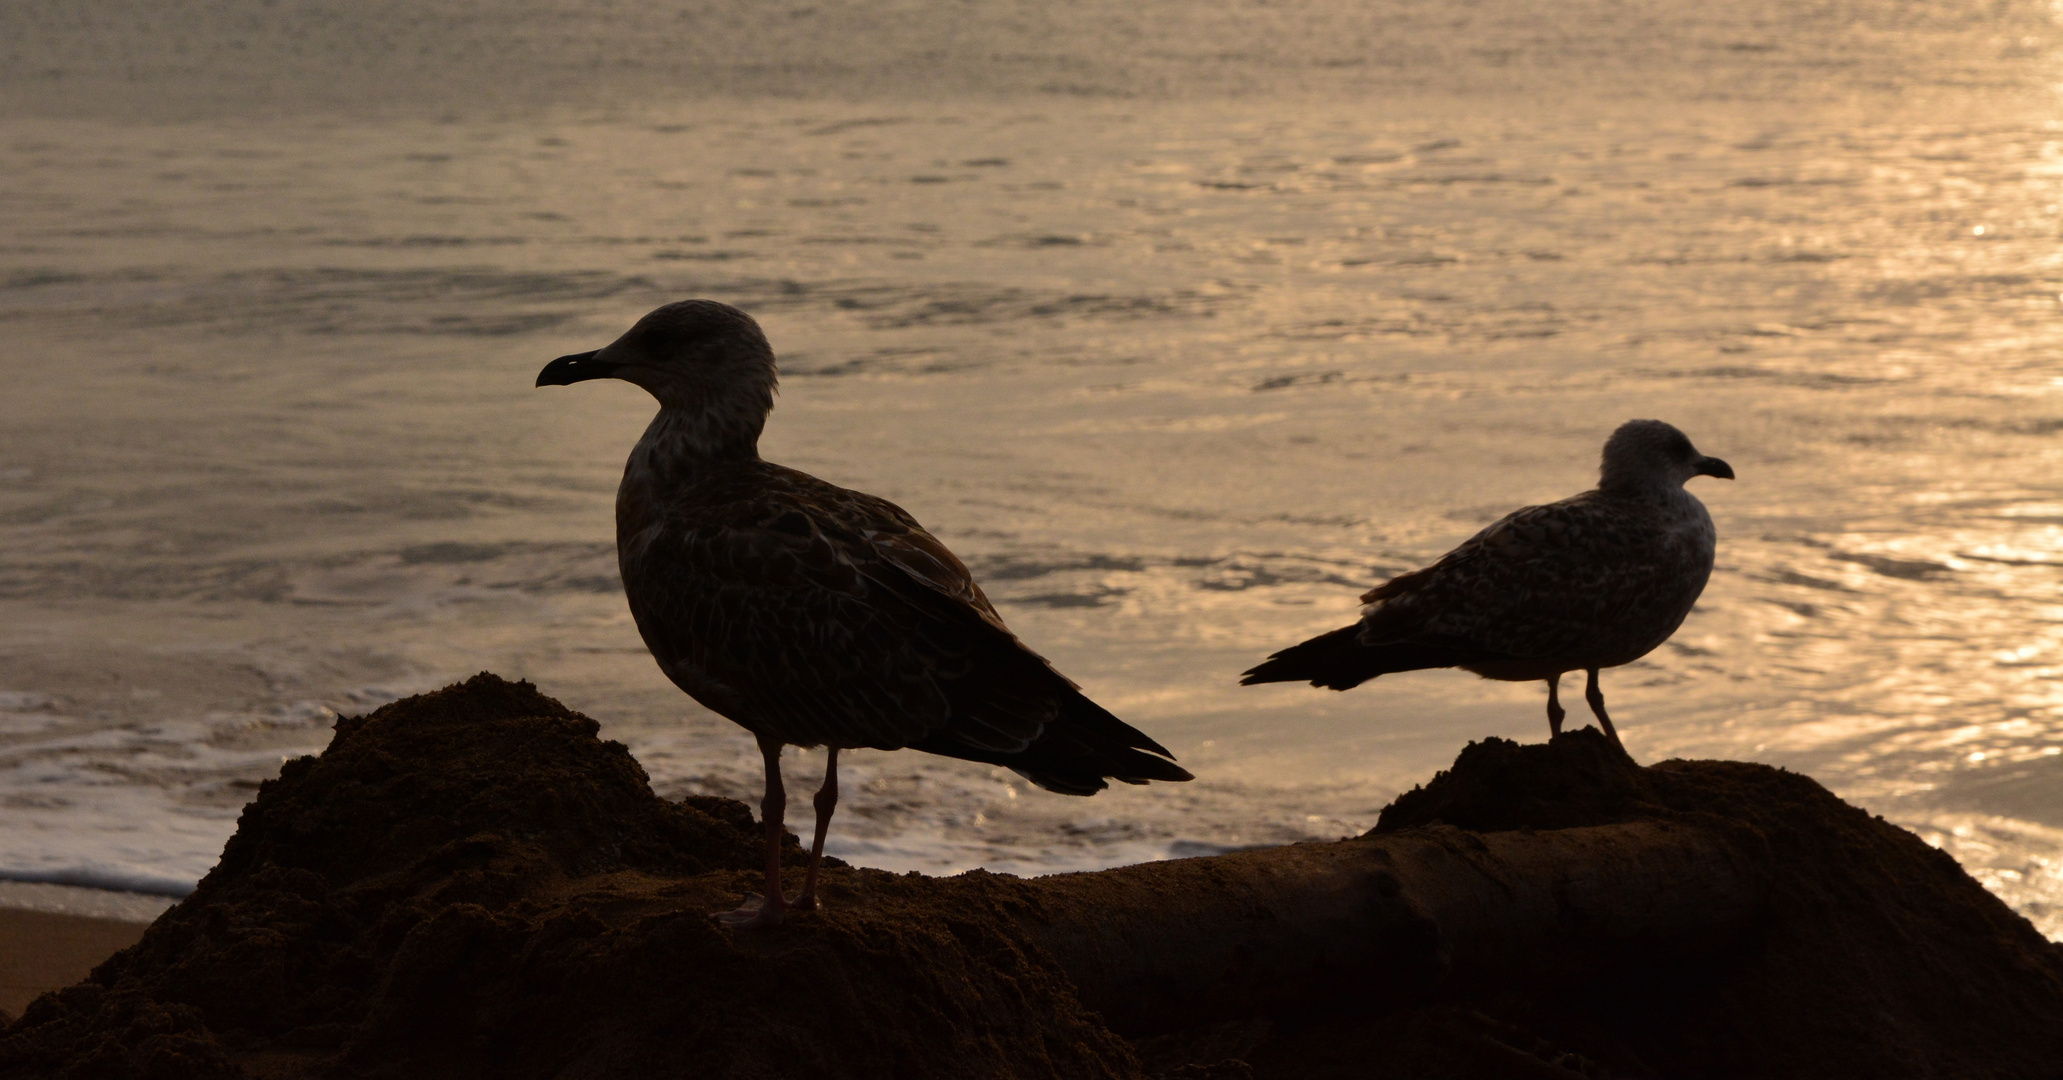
(470,883)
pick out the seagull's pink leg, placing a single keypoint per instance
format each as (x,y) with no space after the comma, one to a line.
(1555,712)
(826,801)
(1596,696)
(767,910)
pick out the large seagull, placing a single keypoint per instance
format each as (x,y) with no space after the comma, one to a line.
(1593,581)
(813,615)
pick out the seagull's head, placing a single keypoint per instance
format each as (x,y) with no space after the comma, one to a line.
(1650,454)
(705,360)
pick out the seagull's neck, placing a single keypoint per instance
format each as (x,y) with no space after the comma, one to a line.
(680,442)
(1655,491)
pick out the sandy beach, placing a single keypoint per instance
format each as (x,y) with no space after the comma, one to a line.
(52,935)
(41,951)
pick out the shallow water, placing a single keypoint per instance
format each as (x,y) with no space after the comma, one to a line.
(1179,353)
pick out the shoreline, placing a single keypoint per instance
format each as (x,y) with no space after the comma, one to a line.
(84,901)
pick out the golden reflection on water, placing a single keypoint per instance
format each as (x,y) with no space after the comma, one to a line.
(1179,380)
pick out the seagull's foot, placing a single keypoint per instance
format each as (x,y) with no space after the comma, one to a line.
(806,902)
(755,913)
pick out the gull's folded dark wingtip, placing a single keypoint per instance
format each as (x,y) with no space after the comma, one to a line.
(1142,768)
(1278,669)
(579,367)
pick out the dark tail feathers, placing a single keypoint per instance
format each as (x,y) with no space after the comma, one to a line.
(1077,752)
(1339,660)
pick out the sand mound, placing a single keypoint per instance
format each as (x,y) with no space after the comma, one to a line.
(1877,956)
(471,884)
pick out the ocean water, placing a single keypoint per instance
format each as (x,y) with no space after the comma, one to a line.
(1182,323)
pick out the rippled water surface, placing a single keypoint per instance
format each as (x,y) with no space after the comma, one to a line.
(1179,366)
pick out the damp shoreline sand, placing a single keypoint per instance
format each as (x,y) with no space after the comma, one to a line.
(51,936)
(41,951)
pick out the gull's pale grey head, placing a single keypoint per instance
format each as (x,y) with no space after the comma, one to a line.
(709,363)
(1649,454)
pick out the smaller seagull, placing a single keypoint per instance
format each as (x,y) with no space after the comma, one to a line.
(812,615)
(1593,581)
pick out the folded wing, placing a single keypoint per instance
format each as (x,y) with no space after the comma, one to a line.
(1576,581)
(827,616)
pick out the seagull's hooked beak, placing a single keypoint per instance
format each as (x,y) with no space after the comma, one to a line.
(1707,466)
(579,367)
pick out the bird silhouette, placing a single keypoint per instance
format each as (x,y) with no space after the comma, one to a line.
(1593,581)
(813,615)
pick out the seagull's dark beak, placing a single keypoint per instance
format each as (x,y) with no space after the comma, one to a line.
(1707,466)
(580,367)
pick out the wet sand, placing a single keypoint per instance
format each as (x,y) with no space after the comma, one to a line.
(52,935)
(41,951)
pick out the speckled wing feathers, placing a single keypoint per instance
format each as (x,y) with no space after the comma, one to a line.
(1588,578)
(814,615)
(1591,581)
